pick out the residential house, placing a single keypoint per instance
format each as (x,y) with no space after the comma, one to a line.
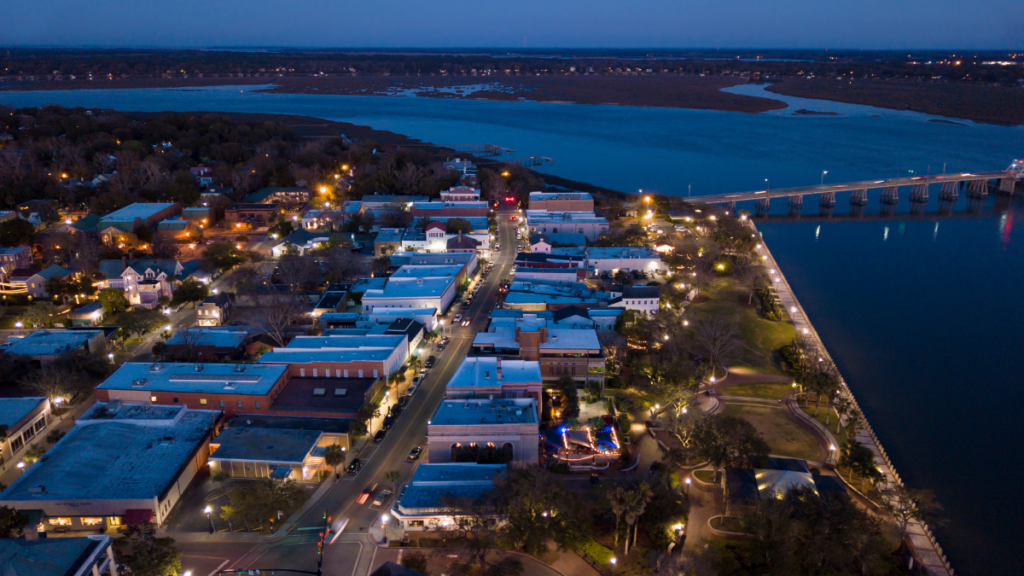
(214,310)
(145,280)
(202,174)
(461,194)
(299,242)
(90,314)
(14,257)
(644,299)
(32,281)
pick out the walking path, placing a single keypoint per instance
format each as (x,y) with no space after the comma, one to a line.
(920,538)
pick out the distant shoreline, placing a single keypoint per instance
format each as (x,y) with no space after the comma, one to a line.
(996,105)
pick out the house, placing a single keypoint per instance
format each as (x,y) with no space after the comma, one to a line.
(47,345)
(88,314)
(82,483)
(341,356)
(500,430)
(461,194)
(462,243)
(85,556)
(14,257)
(388,240)
(465,167)
(279,195)
(573,352)
(421,503)
(561,201)
(433,239)
(33,280)
(314,220)
(139,214)
(414,286)
(22,419)
(202,174)
(299,242)
(483,377)
(587,223)
(207,344)
(545,242)
(246,216)
(742,486)
(214,310)
(145,280)
(232,388)
(645,299)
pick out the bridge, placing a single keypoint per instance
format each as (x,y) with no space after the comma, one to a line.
(977,187)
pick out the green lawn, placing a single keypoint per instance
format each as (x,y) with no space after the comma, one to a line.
(784,436)
(706,476)
(833,422)
(759,337)
(766,390)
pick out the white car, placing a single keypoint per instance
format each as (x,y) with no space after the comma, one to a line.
(512,272)
(411,390)
(458,318)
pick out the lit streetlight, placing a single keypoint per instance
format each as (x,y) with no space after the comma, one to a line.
(208,511)
(687,487)
(823,172)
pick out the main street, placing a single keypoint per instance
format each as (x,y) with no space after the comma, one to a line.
(353,553)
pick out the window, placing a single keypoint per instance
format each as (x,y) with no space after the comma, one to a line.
(114,520)
(40,424)
(316,373)
(374,373)
(92,521)
(360,373)
(29,433)
(221,403)
(16,444)
(202,401)
(302,372)
(59,521)
(257,404)
(346,373)
(239,403)
(152,398)
(175,400)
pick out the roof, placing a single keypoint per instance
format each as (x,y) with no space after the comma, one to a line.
(368,342)
(47,273)
(463,242)
(641,292)
(565,238)
(389,198)
(504,337)
(390,235)
(173,225)
(133,212)
(217,337)
(197,211)
(46,556)
(302,237)
(603,252)
(219,299)
(242,379)
(252,206)
(331,300)
(420,258)
(265,444)
(89,222)
(291,356)
(482,372)
(264,193)
(52,342)
(563,313)
(431,482)
(12,410)
(114,268)
(560,196)
(389,568)
(555,217)
(326,425)
(114,459)
(483,411)
(6,250)
(364,284)
(327,395)
(88,308)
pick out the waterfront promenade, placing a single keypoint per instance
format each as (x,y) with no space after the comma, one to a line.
(919,536)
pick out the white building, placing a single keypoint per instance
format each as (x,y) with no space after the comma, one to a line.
(463,427)
(645,299)
(461,194)
(421,503)
(415,287)
(24,419)
(587,223)
(599,259)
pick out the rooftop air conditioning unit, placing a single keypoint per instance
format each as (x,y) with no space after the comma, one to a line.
(199,367)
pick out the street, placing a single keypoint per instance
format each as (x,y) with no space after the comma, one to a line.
(353,552)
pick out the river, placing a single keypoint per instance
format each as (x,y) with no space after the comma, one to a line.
(922,314)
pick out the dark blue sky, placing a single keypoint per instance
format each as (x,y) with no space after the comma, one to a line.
(882,24)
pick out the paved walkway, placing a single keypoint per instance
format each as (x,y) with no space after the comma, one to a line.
(926,548)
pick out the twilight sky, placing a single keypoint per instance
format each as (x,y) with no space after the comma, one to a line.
(882,24)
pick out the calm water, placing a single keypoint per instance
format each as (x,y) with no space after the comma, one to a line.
(920,313)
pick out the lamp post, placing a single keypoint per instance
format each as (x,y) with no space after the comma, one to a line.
(57,402)
(767,184)
(823,172)
(613,562)
(831,450)
(384,526)
(688,487)
(208,512)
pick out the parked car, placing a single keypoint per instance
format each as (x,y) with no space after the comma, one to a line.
(431,361)
(411,390)
(380,435)
(403,401)
(381,498)
(458,317)
(395,410)
(416,381)
(389,420)
(423,372)
(465,321)
(415,453)
(355,466)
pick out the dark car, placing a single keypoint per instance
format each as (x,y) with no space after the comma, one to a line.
(396,409)
(354,466)
(430,362)
(403,401)
(414,454)
(380,435)
(388,422)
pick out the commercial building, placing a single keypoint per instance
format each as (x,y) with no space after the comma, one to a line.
(233,388)
(498,430)
(362,356)
(467,260)
(299,242)
(90,555)
(421,505)
(644,299)
(245,449)
(120,464)
(567,275)
(491,377)
(587,223)
(246,216)
(599,259)
(207,344)
(414,286)
(279,195)
(203,216)
(573,352)
(140,214)
(543,243)
(449,209)
(47,345)
(24,419)
(561,201)
(461,194)
(743,486)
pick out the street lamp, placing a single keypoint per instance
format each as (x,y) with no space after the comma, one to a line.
(187,573)
(687,487)
(18,324)
(823,172)
(209,511)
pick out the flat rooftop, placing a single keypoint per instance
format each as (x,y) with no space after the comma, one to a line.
(12,410)
(412,287)
(281,356)
(560,196)
(345,342)
(44,557)
(326,425)
(581,339)
(254,379)
(326,395)
(419,258)
(137,211)
(483,411)
(216,337)
(556,217)
(113,460)
(265,444)
(479,372)
(52,342)
(427,271)
(390,235)
(432,482)
(107,411)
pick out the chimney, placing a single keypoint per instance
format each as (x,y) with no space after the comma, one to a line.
(124,263)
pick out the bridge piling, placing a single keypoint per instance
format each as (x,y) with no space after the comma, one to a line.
(977,190)
(1007,186)
(890,195)
(827,200)
(949,192)
(796,205)
(919,194)
(859,197)
(762,206)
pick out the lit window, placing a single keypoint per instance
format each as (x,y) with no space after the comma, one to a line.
(152,398)
(114,520)
(59,521)
(202,401)
(92,521)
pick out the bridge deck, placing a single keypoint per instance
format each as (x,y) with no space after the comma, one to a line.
(847,187)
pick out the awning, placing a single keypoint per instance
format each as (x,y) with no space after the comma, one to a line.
(137,516)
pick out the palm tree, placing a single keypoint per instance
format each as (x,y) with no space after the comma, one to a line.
(644,496)
(617,498)
(415,363)
(842,406)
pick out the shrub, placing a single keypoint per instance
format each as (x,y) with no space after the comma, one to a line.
(596,552)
